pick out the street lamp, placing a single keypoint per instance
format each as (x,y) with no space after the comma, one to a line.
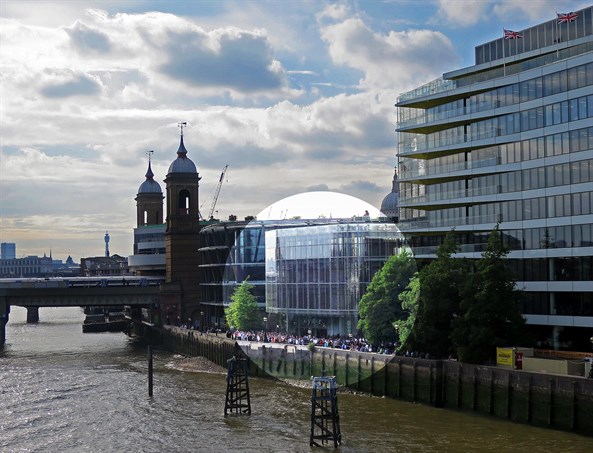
(202,320)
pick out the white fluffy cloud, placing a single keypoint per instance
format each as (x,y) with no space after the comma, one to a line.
(463,13)
(287,108)
(393,61)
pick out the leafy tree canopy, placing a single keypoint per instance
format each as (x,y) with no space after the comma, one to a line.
(243,312)
(435,300)
(380,307)
(491,315)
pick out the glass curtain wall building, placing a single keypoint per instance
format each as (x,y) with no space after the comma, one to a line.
(316,275)
(510,141)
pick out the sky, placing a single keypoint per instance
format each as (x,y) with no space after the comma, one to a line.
(294,96)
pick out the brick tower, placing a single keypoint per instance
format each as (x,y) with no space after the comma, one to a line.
(180,293)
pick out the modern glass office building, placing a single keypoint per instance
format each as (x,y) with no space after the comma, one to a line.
(307,274)
(510,141)
(230,252)
(316,275)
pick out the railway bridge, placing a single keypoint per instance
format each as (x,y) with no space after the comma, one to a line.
(32,293)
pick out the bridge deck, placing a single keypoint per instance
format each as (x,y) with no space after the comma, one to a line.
(81,291)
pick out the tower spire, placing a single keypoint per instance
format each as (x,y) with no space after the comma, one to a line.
(181,152)
(149,173)
(394,185)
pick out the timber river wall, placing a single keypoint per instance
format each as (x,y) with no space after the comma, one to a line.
(539,399)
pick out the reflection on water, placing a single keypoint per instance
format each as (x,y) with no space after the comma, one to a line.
(61,390)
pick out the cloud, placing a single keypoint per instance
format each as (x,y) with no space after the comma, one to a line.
(361,186)
(534,10)
(230,58)
(87,39)
(389,61)
(69,83)
(108,87)
(462,13)
(467,13)
(317,188)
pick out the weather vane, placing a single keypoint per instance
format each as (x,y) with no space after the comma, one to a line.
(149,153)
(182,125)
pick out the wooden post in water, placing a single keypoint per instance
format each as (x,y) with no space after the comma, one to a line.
(237,390)
(150,370)
(325,419)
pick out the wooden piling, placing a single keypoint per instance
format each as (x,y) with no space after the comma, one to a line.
(237,400)
(325,418)
(150,370)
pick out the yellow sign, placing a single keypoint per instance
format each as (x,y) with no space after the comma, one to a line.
(504,357)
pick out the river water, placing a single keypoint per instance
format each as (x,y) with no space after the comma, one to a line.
(65,391)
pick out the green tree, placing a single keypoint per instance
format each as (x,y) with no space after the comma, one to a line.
(243,312)
(380,307)
(491,313)
(409,301)
(441,283)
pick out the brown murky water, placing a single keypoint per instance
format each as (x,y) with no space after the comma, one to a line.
(64,391)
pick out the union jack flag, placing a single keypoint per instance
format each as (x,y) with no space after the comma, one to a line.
(510,34)
(565,18)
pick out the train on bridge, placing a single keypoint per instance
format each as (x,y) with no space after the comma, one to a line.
(141,295)
(80,282)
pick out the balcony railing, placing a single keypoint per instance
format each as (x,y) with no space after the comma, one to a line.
(439,170)
(436,86)
(412,224)
(450,195)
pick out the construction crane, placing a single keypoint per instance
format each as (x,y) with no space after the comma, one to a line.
(216,193)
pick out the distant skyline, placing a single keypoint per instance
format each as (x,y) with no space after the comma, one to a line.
(295,96)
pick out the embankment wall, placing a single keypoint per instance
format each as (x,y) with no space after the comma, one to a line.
(545,400)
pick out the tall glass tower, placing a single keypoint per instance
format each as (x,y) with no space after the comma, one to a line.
(510,141)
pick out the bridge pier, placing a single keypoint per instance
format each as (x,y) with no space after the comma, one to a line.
(4,311)
(32,315)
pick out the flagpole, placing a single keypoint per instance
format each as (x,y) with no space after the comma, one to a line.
(504,63)
(557,36)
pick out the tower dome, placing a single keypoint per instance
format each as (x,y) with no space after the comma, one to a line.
(390,204)
(149,200)
(182,164)
(150,185)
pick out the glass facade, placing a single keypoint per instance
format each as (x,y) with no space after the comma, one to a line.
(543,35)
(316,275)
(229,252)
(510,141)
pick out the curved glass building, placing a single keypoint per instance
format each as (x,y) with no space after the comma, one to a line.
(317,274)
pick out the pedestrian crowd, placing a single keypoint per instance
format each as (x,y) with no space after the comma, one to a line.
(336,341)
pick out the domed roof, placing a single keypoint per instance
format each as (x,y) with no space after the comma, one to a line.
(390,204)
(150,185)
(182,164)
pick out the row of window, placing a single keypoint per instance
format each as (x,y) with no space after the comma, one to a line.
(561,304)
(536,88)
(334,270)
(532,178)
(512,123)
(524,150)
(565,236)
(314,297)
(580,203)
(536,37)
(22,270)
(553,269)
